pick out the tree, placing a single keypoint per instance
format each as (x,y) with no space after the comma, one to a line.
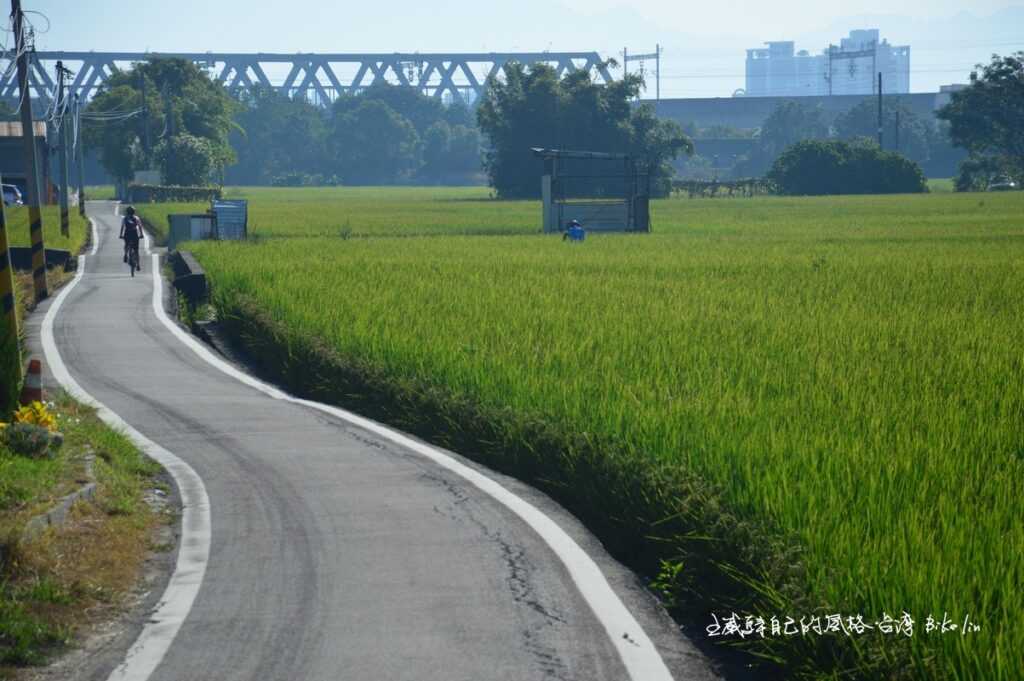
(185,160)
(987,117)
(436,143)
(788,123)
(181,99)
(721,132)
(817,168)
(419,109)
(451,154)
(532,107)
(898,122)
(276,136)
(373,144)
(441,149)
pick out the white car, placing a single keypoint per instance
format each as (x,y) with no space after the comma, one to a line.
(12,195)
(1002,184)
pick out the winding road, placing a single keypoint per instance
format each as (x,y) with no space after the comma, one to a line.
(316,545)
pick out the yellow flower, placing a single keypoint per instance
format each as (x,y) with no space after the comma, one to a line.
(36,414)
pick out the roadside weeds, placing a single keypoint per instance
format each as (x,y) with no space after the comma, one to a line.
(55,586)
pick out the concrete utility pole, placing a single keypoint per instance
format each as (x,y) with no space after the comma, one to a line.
(147,146)
(896,135)
(35,215)
(65,219)
(880,111)
(80,156)
(169,137)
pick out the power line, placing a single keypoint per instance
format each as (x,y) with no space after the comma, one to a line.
(743,75)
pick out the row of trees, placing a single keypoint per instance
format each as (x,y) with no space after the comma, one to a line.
(793,121)
(192,131)
(383,135)
(986,120)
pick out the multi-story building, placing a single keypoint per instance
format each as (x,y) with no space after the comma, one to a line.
(851,68)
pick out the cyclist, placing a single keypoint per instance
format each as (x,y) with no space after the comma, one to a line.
(131,232)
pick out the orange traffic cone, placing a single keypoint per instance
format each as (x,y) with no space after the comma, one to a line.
(32,391)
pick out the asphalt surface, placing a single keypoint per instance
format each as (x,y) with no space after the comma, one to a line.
(335,553)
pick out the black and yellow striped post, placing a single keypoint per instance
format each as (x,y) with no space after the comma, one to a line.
(10,358)
(35,217)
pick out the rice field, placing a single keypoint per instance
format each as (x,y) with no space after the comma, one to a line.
(844,373)
(18,228)
(439,211)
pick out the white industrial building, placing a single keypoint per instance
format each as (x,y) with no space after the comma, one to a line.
(851,68)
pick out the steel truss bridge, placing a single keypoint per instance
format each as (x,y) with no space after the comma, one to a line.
(320,78)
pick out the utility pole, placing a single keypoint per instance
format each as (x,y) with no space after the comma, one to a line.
(880,111)
(65,226)
(656,55)
(896,133)
(657,73)
(169,113)
(80,155)
(35,216)
(9,331)
(147,147)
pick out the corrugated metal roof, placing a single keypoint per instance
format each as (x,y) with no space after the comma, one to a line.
(13,128)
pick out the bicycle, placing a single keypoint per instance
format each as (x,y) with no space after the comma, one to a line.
(133,258)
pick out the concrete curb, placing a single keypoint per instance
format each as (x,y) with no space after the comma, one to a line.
(58,515)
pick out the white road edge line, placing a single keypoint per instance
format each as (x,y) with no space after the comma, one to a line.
(175,603)
(637,651)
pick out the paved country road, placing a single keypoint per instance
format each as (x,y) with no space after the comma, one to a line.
(336,551)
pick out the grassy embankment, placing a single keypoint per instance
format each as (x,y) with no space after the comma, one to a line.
(940,185)
(69,577)
(812,406)
(18,234)
(99,192)
(18,231)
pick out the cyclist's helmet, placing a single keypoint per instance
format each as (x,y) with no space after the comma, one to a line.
(130,211)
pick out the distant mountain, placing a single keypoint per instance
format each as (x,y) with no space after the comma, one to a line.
(961,29)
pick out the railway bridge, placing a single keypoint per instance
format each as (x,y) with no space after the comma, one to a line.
(316,76)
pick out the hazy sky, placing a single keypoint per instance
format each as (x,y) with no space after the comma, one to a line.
(704,43)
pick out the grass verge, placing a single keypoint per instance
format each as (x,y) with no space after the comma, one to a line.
(18,228)
(54,585)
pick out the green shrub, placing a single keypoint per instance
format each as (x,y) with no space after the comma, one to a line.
(819,168)
(185,159)
(155,193)
(978,170)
